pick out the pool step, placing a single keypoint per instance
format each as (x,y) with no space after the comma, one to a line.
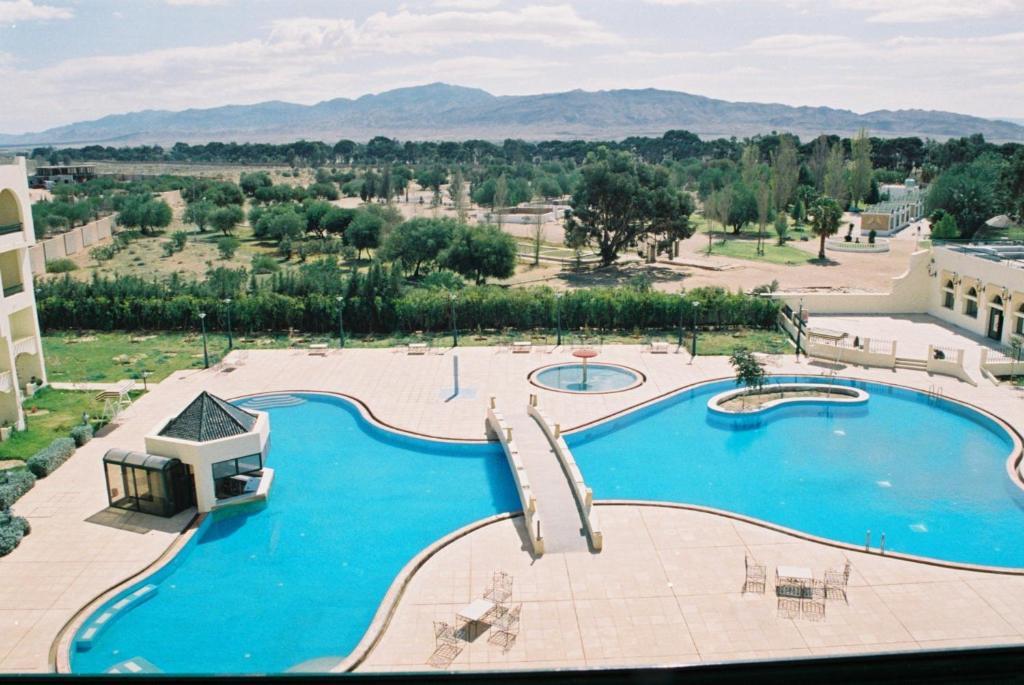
(133,666)
(273,401)
(96,626)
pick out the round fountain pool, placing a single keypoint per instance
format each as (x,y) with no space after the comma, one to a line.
(599,378)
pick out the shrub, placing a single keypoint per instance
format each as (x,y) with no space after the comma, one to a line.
(228,245)
(81,434)
(45,461)
(179,239)
(264,264)
(871,236)
(443,279)
(60,266)
(13,484)
(12,530)
(103,253)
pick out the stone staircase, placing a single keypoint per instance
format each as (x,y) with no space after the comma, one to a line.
(913,364)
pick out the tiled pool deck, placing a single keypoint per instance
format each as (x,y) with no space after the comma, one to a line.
(665,589)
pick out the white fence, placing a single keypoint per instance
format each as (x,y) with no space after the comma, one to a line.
(497,426)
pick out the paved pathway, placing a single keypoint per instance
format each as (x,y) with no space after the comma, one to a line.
(560,518)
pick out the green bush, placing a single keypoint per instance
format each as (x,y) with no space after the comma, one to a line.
(45,461)
(103,253)
(60,266)
(81,434)
(264,264)
(12,530)
(13,484)
(228,245)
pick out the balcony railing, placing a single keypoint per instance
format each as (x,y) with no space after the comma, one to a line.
(14,289)
(26,345)
(10,228)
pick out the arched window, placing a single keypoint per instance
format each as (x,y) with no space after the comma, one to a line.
(949,294)
(971,303)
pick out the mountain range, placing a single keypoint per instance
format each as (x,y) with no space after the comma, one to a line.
(441,111)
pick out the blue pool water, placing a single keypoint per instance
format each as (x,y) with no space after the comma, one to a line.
(929,474)
(301,577)
(600,377)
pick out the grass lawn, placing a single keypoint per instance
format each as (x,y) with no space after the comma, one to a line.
(744,244)
(49,414)
(109,357)
(726,342)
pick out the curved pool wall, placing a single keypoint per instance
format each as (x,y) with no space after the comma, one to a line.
(928,472)
(601,378)
(262,588)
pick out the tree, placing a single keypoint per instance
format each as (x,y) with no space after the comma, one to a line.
(764,207)
(825,221)
(946,228)
(749,371)
(1011,185)
(537,237)
(432,178)
(785,172)
(144,213)
(969,192)
(457,191)
(198,213)
(499,199)
(620,200)
(481,252)
(316,212)
(227,246)
(781,228)
(819,161)
(250,182)
(861,171)
(280,222)
(718,208)
(836,181)
(418,242)
(337,220)
(224,219)
(364,232)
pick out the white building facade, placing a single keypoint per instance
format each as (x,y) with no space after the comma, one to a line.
(21,350)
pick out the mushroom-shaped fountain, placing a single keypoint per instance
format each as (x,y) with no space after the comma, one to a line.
(584,353)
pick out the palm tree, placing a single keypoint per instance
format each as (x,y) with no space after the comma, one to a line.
(825,222)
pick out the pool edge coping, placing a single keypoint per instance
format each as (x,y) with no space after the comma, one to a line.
(642,379)
(60,649)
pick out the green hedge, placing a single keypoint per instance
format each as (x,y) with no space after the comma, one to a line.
(45,461)
(12,530)
(13,484)
(81,434)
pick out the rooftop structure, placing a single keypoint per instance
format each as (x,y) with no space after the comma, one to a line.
(209,418)
(48,176)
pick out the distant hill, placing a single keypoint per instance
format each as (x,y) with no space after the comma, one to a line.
(441,111)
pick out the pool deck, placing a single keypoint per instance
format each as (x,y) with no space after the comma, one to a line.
(580,609)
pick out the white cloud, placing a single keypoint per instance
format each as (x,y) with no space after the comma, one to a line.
(880,11)
(28,10)
(196,3)
(468,4)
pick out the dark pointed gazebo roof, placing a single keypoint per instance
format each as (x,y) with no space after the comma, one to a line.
(208,417)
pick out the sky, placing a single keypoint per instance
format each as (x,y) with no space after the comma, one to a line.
(70,60)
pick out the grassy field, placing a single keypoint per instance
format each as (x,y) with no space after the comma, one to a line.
(50,414)
(744,244)
(109,357)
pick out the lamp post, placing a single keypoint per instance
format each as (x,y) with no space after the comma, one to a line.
(682,303)
(341,320)
(206,354)
(799,327)
(227,305)
(558,318)
(693,345)
(455,327)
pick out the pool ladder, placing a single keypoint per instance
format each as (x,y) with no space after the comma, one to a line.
(935,392)
(867,543)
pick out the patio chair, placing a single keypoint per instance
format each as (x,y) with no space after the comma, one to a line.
(500,589)
(756,575)
(505,629)
(445,634)
(836,581)
(444,655)
(813,608)
(787,607)
(659,346)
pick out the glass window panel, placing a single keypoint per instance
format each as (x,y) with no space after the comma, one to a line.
(253,462)
(142,484)
(224,469)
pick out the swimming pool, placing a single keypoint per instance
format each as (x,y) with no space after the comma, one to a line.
(929,473)
(270,587)
(599,378)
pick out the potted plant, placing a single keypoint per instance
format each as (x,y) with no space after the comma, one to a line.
(5,431)
(871,236)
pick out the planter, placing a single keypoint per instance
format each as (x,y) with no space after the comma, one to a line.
(5,433)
